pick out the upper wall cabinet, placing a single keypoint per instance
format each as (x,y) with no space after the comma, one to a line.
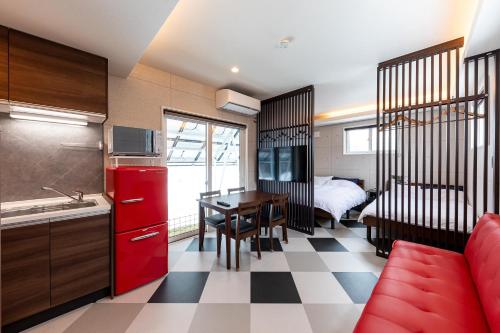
(4,60)
(45,73)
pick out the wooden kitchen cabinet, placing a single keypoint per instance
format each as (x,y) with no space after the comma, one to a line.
(4,63)
(47,73)
(25,271)
(80,257)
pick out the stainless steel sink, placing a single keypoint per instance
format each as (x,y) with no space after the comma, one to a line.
(30,210)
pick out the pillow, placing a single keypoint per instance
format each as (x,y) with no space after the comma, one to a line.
(321,180)
(356,181)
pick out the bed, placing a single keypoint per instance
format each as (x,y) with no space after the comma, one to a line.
(334,196)
(369,213)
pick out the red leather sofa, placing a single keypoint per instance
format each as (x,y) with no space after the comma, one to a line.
(426,289)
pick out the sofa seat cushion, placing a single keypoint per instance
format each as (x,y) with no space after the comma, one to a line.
(423,289)
(483,255)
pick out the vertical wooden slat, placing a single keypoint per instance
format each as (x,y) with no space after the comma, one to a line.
(466,147)
(424,144)
(377,176)
(396,147)
(474,151)
(417,77)
(431,167)
(496,180)
(448,148)
(403,93)
(383,159)
(440,141)
(486,133)
(457,134)
(410,70)
(389,153)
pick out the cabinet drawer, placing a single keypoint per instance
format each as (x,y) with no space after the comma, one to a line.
(80,257)
(25,271)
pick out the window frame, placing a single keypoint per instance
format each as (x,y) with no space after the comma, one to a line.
(371,140)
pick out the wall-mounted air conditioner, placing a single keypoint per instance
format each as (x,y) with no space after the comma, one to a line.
(231,100)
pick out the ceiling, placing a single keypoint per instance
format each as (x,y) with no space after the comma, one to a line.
(336,44)
(118,30)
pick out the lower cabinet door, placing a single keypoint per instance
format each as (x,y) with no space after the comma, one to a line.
(140,257)
(25,271)
(80,257)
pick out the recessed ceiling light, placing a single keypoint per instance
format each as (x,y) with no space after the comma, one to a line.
(235,69)
(285,42)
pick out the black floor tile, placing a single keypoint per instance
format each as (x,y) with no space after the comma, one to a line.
(273,287)
(327,245)
(358,286)
(264,244)
(180,287)
(352,223)
(209,244)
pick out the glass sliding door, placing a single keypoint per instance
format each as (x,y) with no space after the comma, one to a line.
(201,156)
(186,155)
(225,158)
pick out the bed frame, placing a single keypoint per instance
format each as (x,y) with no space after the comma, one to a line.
(320,213)
(415,233)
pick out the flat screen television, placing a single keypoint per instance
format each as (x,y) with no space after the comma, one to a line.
(284,164)
(292,164)
(267,164)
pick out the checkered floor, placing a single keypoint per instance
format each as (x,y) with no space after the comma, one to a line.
(312,284)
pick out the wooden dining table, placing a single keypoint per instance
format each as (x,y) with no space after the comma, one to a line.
(233,200)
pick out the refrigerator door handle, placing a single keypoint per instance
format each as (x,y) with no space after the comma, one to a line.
(153,234)
(132,200)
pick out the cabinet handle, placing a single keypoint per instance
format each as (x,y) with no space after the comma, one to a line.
(132,200)
(153,234)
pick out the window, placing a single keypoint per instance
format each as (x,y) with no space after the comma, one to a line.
(363,140)
(201,156)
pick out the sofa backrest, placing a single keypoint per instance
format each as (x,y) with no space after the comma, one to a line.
(483,255)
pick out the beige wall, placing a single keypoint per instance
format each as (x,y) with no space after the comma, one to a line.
(329,158)
(138,102)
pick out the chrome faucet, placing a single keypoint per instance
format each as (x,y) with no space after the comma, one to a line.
(79,193)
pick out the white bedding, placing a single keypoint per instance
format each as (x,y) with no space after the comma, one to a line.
(371,209)
(338,196)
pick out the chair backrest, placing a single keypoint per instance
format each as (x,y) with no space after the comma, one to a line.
(481,253)
(279,205)
(236,190)
(210,194)
(246,209)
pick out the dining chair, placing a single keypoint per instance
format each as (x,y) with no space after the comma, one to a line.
(278,216)
(236,190)
(242,229)
(215,219)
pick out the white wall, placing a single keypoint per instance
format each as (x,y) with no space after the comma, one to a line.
(329,158)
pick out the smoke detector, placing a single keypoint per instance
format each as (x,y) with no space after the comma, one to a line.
(284,43)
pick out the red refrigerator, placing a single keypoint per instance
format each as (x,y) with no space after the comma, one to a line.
(140,224)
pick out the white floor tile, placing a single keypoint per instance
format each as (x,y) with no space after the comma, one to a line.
(270,262)
(320,287)
(180,245)
(59,324)
(348,262)
(160,318)
(195,262)
(332,318)
(320,233)
(139,295)
(356,244)
(343,233)
(227,287)
(297,245)
(289,318)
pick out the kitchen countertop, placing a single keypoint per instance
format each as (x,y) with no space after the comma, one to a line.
(103,207)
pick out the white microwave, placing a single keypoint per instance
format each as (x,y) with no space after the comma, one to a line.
(131,141)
